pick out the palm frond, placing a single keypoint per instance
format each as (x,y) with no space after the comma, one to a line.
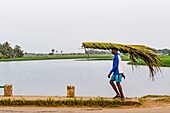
(136,52)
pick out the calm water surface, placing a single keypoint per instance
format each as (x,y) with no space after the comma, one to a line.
(50,78)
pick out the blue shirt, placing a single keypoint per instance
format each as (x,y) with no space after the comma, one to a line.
(117,66)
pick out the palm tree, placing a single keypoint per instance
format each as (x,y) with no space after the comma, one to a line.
(52,51)
(135,52)
(18,52)
(1,48)
(7,50)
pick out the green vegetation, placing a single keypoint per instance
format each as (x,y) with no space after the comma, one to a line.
(6,51)
(165,61)
(141,101)
(80,102)
(69,56)
(53,57)
(162,98)
(99,102)
(156,96)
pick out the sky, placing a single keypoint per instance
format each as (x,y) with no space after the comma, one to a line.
(41,25)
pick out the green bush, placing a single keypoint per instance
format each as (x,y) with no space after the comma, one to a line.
(99,102)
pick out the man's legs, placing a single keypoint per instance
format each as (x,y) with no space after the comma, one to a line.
(114,87)
(120,90)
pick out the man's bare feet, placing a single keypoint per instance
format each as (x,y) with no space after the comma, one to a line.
(117,96)
(122,99)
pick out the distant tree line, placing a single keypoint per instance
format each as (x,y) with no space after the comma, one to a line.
(53,52)
(91,51)
(164,51)
(6,51)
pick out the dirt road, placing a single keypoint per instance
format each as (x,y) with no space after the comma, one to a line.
(165,109)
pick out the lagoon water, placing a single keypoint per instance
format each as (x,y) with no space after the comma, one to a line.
(51,77)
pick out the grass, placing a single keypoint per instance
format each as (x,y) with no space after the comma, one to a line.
(55,57)
(164,99)
(99,102)
(165,61)
(160,98)
(141,101)
(72,102)
(156,96)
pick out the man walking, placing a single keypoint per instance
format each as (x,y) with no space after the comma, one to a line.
(116,74)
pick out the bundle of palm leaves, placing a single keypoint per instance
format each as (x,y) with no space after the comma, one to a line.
(136,52)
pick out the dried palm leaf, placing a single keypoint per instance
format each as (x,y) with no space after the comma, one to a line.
(136,52)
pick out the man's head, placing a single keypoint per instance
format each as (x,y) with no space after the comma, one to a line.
(114,50)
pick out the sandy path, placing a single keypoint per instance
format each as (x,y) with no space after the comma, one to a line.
(163,109)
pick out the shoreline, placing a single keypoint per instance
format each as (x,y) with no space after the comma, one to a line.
(93,57)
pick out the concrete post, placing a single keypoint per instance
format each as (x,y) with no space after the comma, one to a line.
(8,90)
(70,91)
